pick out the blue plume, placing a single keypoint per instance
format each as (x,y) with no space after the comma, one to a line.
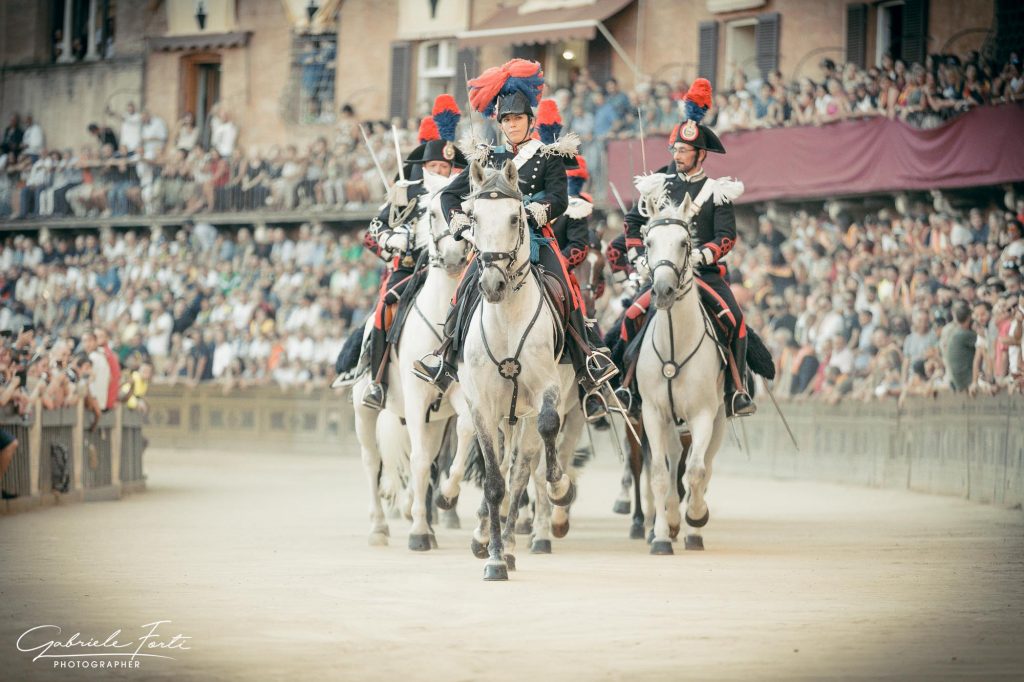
(446,122)
(576,186)
(694,112)
(549,132)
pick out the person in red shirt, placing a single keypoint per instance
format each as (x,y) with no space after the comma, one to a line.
(103,343)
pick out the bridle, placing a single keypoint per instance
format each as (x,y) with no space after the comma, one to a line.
(513,276)
(437,260)
(683,283)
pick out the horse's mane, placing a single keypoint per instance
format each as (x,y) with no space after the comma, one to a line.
(494,181)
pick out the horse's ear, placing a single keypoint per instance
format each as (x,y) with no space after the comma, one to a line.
(511,173)
(684,208)
(476,173)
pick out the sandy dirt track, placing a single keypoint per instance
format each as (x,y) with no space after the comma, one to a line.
(262,560)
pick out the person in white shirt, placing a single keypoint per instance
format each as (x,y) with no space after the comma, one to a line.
(99,384)
(223,134)
(158,333)
(154,136)
(32,139)
(131,127)
(223,354)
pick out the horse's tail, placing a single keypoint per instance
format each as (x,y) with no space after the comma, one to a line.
(393,443)
(759,359)
(449,443)
(475,469)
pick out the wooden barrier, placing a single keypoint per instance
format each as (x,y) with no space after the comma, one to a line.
(60,458)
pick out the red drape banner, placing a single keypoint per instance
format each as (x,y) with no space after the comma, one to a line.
(982,147)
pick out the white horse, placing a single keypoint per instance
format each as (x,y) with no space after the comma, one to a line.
(516,390)
(679,376)
(408,398)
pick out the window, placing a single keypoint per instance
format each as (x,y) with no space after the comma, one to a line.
(889,37)
(314,64)
(82,29)
(436,61)
(741,49)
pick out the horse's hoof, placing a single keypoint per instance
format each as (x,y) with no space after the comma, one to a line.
(510,561)
(479,550)
(524,526)
(445,503)
(378,539)
(661,547)
(566,499)
(433,541)
(541,547)
(673,532)
(636,531)
(560,530)
(694,542)
(450,519)
(420,543)
(495,571)
(650,536)
(698,523)
(621,507)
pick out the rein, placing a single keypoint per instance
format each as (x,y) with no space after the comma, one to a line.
(510,368)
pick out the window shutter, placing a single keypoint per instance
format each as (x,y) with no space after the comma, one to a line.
(915,31)
(707,55)
(856,33)
(468,58)
(766,41)
(401,58)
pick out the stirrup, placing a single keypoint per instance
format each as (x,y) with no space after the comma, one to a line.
(600,411)
(748,411)
(599,375)
(374,396)
(422,370)
(625,397)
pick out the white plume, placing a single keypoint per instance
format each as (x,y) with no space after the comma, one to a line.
(566,145)
(726,190)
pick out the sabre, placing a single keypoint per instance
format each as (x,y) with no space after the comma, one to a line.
(618,197)
(622,411)
(736,436)
(781,416)
(383,178)
(643,152)
(746,441)
(398,153)
(618,440)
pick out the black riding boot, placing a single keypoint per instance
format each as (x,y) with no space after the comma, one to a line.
(376,391)
(738,402)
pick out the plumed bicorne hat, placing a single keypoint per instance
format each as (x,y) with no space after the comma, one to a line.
(512,88)
(691,131)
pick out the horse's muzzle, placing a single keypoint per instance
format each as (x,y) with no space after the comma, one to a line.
(663,295)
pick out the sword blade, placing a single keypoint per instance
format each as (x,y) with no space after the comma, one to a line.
(618,197)
(622,411)
(398,153)
(640,123)
(380,171)
(778,409)
(746,441)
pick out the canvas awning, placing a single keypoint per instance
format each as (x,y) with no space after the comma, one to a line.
(512,26)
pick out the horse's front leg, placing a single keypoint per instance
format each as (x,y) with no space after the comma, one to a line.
(448,493)
(708,429)
(494,490)
(561,489)
(523,458)
(635,469)
(572,429)
(425,440)
(366,432)
(664,446)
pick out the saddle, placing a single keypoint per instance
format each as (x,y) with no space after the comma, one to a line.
(556,297)
(396,313)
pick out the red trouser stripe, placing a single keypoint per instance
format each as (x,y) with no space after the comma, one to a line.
(721,301)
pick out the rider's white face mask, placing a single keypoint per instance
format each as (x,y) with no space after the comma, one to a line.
(433,182)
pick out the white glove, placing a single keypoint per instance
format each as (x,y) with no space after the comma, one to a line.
(396,242)
(458,224)
(705,256)
(642,268)
(539,212)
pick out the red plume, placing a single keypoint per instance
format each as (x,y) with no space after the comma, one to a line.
(547,112)
(444,102)
(582,171)
(700,93)
(484,89)
(428,130)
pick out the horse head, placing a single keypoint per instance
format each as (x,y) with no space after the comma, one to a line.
(445,250)
(667,239)
(500,231)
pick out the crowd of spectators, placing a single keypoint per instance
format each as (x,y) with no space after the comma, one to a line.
(134,163)
(138,165)
(240,308)
(911,300)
